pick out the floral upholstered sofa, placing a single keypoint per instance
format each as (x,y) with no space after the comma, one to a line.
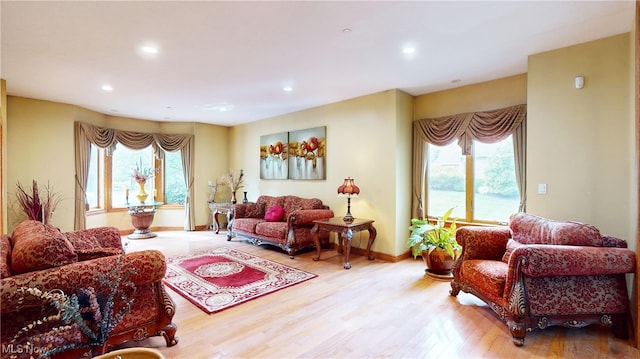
(538,272)
(40,256)
(284,221)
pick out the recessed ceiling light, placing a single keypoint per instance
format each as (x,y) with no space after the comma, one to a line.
(107,87)
(346,30)
(455,81)
(408,50)
(287,89)
(222,107)
(149,49)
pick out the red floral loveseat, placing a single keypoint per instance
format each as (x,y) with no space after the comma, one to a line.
(283,221)
(41,256)
(538,272)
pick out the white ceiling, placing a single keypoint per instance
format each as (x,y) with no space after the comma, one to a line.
(239,55)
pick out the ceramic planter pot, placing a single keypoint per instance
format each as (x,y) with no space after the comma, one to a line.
(438,263)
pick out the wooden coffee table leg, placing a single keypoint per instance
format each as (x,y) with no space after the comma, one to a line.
(316,242)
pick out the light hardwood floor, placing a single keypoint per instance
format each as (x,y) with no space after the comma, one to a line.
(376,309)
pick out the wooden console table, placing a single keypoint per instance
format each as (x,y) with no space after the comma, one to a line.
(345,233)
(141,219)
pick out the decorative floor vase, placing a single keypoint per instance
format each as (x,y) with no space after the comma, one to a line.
(142,195)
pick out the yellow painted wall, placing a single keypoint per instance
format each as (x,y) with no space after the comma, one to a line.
(404,168)
(490,95)
(579,141)
(363,140)
(41,147)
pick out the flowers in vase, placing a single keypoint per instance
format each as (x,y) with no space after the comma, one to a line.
(141,175)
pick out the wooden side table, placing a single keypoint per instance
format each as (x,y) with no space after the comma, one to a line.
(141,219)
(216,209)
(345,233)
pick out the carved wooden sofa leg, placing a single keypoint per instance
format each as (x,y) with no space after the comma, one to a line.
(518,332)
(455,289)
(168,332)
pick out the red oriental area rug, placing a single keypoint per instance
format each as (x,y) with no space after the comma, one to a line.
(223,277)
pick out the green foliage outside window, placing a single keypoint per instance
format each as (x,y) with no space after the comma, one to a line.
(175,190)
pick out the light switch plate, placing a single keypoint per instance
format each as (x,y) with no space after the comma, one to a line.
(542,188)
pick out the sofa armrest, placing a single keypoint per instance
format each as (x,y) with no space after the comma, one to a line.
(148,266)
(307,216)
(483,242)
(543,260)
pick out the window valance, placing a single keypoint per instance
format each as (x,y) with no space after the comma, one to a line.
(488,126)
(107,138)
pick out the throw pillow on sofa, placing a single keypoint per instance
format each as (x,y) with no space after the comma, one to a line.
(274,214)
(38,246)
(88,247)
(254,210)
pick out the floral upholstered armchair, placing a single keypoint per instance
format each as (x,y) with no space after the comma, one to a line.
(539,272)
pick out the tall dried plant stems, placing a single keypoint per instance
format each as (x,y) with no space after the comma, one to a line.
(35,207)
(233,179)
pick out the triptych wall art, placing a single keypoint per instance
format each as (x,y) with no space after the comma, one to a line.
(298,155)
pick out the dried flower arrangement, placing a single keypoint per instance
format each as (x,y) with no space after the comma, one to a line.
(233,180)
(87,317)
(35,207)
(141,175)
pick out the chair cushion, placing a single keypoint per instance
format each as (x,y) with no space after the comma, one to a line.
(246,224)
(273,230)
(488,276)
(38,246)
(274,214)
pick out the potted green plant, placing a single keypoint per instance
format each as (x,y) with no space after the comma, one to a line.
(436,243)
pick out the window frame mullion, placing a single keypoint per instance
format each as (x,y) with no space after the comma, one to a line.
(469,188)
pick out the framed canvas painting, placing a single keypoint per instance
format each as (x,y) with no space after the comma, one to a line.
(274,156)
(307,154)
